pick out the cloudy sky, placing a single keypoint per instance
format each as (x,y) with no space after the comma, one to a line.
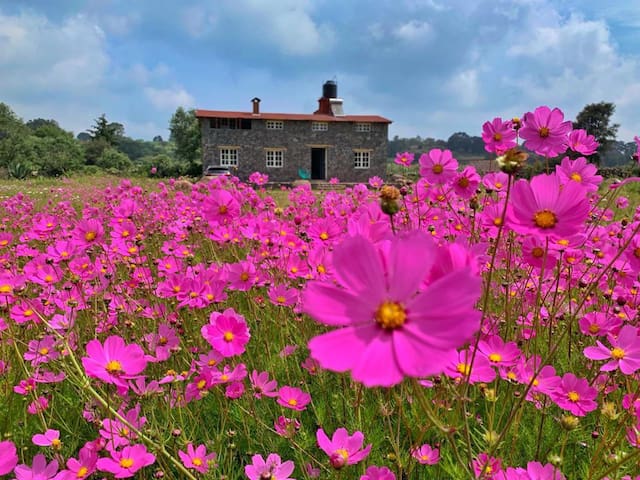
(432,66)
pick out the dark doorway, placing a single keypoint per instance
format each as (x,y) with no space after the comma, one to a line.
(318,163)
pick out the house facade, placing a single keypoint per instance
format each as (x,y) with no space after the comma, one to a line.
(290,146)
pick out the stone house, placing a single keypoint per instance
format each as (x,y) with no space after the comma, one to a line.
(290,146)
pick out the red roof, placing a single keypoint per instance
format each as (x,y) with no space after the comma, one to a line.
(292,116)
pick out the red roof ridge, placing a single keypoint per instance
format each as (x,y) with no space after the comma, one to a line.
(291,116)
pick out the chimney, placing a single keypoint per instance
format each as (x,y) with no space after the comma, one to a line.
(256,105)
(330,104)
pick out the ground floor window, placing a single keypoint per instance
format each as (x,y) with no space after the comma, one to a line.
(228,157)
(275,158)
(361,158)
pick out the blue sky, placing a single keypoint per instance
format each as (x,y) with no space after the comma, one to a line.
(434,67)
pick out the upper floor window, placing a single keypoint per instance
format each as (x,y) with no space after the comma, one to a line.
(363,127)
(230,123)
(275,158)
(361,158)
(275,124)
(228,156)
(319,126)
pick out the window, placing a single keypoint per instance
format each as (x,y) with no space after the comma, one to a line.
(275,158)
(363,127)
(228,157)
(361,158)
(230,123)
(319,126)
(275,124)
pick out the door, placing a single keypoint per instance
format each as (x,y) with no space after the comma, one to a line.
(318,163)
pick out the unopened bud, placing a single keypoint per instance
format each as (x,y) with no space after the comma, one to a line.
(569,422)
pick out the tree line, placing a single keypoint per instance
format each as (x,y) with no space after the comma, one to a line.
(595,118)
(40,147)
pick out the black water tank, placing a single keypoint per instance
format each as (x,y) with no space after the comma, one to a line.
(330,89)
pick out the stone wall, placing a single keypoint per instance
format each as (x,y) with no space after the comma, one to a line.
(297,139)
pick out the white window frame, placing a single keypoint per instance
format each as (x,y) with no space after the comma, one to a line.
(362,159)
(274,157)
(275,125)
(319,126)
(228,156)
(362,127)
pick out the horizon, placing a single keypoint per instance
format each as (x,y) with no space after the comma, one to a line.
(433,68)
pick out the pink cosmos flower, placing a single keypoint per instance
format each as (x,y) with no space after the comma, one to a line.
(575,395)
(293,398)
(286,427)
(579,171)
(39,469)
(405,158)
(197,458)
(376,182)
(50,438)
(486,467)
(88,232)
(426,455)
(542,207)
(545,132)
(438,166)
(460,368)
(273,468)
(221,207)
(498,136)
(534,471)
(115,362)
(82,467)
(8,457)
(378,473)
(599,324)
(227,332)
(343,449)
(391,326)
(580,141)
(126,463)
(262,385)
(623,354)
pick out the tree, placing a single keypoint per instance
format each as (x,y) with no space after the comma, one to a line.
(185,133)
(110,132)
(595,118)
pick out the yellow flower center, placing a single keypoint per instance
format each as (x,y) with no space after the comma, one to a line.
(281,299)
(176,288)
(90,236)
(114,366)
(573,396)
(201,384)
(28,312)
(324,236)
(437,168)
(48,278)
(163,341)
(545,219)
(292,401)
(321,269)
(464,368)
(126,462)
(228,336)
(497,136)
(82,472)
(544,132)
(575,176)
(498,185)
(244,276)
(55,443)
(636,253)
(222,209)
(593,328)
(43,351)
(497,221)
(343,453)
(8,289)
(391,315)
(537,252)
(495,357)
(125,233)
(193,294)
(617,353)
(197,461)
(463,182)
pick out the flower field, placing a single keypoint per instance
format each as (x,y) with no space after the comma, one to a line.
(464,326)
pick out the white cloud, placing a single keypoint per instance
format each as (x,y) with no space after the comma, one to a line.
(39,55)
(413,30)
(464,88)
(167,99)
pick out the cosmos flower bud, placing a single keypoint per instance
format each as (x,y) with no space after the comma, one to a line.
(511,161)
(569,422)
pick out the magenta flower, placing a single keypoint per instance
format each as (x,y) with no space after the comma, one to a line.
(575,395)
(39,469)
(286,427)
(273,468)
(126,463)
(580,141)
(623,354)
(438,166)
(534,471)
(542,207)
(8,457)
(82,467)
(378,473)
(262,385)
(115,362)
(50,438)
(545,132)
(197,458)
(293,398)
(498,136)
(405,158)
(426,455)
(221,207)
(579,171)
(227,332)
(343,449)
(391,327)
